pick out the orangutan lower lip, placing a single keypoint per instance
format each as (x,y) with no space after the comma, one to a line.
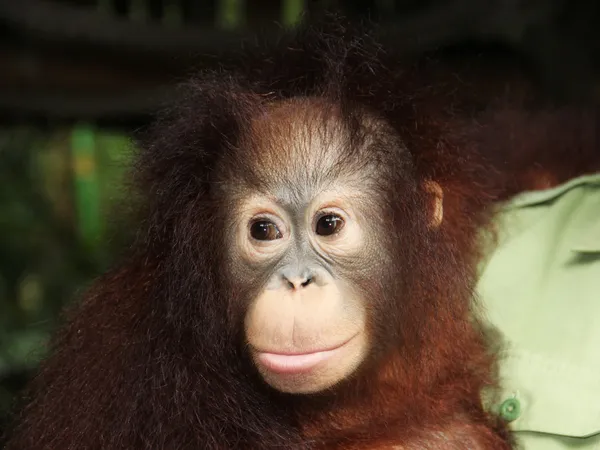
(292,363)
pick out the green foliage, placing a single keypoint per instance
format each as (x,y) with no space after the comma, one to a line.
(50,248)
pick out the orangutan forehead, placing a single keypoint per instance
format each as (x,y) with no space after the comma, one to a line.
(305,142)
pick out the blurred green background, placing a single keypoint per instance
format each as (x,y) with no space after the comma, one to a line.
(56,191)
(78,78)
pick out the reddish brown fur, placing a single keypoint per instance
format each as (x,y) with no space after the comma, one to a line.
(152,357)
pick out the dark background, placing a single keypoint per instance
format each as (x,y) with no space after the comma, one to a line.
(79,77)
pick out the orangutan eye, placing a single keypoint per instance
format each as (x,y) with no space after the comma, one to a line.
(264,230)
(329,224)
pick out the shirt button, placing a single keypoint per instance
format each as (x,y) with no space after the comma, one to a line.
(510,409)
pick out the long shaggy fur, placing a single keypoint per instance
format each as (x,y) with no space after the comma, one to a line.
(149,359)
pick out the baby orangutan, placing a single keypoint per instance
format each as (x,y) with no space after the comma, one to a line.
(302,276)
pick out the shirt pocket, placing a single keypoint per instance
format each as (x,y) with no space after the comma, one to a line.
(543,395)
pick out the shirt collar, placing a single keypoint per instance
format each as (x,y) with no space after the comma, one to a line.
(589,239)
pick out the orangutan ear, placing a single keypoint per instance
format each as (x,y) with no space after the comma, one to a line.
(436,212)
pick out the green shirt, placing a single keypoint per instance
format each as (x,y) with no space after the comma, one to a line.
(541,289)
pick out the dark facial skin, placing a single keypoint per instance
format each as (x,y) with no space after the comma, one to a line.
(314,247)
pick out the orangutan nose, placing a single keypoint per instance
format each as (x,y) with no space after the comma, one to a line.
(297,280)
